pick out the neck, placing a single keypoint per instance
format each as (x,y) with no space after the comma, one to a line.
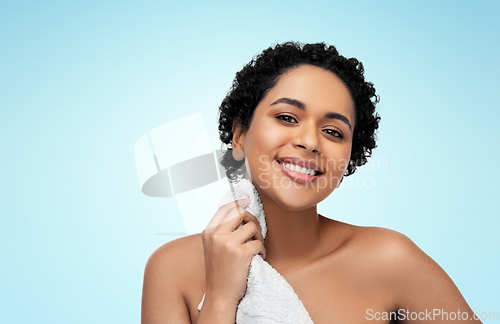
(292,237)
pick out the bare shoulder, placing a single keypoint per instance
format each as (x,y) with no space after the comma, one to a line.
(392,252)
(378,251)
(411,279)
(168,271)
(388,245)
(174,259)
(183,250)
(384,242)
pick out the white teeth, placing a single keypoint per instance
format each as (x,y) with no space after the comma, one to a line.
(299,169)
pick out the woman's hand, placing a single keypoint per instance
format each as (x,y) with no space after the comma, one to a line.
(227,254)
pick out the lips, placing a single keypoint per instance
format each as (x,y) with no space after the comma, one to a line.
(308,164)
(300,163)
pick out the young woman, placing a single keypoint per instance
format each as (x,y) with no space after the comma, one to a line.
(300,117)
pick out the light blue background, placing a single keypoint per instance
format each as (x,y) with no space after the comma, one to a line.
(80,82)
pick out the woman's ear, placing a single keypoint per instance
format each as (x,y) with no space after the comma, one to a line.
(238,139)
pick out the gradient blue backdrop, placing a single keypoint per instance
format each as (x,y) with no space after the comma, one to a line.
(80,82)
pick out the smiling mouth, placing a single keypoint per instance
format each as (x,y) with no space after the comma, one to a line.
(298,169)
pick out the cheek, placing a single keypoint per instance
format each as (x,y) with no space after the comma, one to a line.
(265,142)
(338,162)
(259,155)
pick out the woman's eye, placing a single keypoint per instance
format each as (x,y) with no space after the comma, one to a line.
(290,119)
(334,132)
(287,118)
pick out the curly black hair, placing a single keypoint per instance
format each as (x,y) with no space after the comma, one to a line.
(262,73)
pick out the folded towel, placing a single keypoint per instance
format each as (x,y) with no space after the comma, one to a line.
(269,298)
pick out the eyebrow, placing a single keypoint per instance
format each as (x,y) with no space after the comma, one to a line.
(299,104)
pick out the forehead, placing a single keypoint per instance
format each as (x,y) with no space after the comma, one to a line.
(316,87)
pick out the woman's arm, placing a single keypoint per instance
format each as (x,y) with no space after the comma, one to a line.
(227,256)
(421,286)
(162,297)
(166,277)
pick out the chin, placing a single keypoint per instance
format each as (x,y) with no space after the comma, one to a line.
(292,195)
(296,200)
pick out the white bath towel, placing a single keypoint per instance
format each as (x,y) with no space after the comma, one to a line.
(269,298)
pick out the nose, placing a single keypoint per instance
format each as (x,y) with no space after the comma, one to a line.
(307,138)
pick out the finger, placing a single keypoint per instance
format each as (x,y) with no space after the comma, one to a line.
(235,213)
(236,217)
(255,247)
(251,230)
(224,210)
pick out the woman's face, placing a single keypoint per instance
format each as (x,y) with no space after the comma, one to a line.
(308,116)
